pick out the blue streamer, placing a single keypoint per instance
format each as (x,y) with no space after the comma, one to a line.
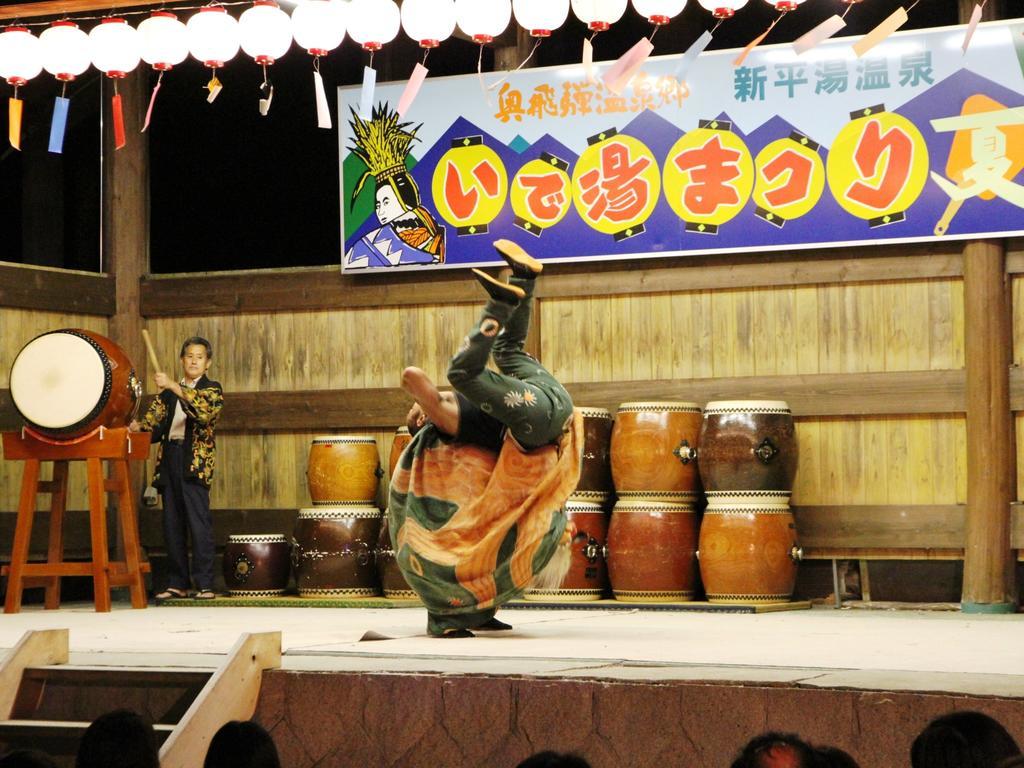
(58,124)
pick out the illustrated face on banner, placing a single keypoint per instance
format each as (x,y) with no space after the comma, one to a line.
(388,206)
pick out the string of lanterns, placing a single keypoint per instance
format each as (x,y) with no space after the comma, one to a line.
(265,33)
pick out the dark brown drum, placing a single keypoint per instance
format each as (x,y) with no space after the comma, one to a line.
(587,578)
(333,551)
(748,553)
(256,566)
(653,451)
(343,469)
(747,445)
(402,439)
(70,382)
(391,579)
(652,551)
(595,482)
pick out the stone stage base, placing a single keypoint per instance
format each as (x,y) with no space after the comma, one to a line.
(622,688)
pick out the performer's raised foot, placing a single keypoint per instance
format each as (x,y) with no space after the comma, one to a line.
(493,625)
(497,290)
(523,264)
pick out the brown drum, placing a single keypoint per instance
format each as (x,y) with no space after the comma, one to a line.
(747,445)
(256,566)
(652,551)
(333,551)
(653,451)
(748,553)
(587,578)
(342,469)
(402,439)
(70,382)
(391,579)
(595,482)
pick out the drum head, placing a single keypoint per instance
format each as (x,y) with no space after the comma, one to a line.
(57,380)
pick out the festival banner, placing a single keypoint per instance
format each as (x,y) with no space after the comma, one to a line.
(915,141)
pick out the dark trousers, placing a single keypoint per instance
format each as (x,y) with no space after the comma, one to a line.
(186,512)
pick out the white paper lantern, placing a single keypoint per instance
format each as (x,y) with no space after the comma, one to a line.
(319,25)
(659,12)
(784,6)
(483,20)
(428,22)
(540,17)
(599,15)
(163,40)
(212,36)
(722,9)
(65,50)
(371,23)
(21,55)
(265,31)
(114,47)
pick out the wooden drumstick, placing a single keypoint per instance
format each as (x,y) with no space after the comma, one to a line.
(149,350)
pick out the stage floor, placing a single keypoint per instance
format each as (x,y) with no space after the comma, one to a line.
(906,650)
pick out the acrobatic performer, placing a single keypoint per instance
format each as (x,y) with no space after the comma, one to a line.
(476,505)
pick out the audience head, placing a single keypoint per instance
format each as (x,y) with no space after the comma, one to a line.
(118,739)
(242,744)
(775,750)
(833,757)
(962,740)
(27,758)
(554,760)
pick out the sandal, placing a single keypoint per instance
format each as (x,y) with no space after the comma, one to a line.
(172,593)
(205,594)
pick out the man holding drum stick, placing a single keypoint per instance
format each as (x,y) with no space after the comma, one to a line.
(182,419)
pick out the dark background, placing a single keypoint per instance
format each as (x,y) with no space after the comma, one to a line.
(230,189)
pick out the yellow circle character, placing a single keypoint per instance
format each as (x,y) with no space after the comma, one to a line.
(615,184)
(541,193)
(877,165)
(470,184)
(790,177)
(708,176)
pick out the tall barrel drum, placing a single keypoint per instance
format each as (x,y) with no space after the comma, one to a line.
(402,439)
(748,553)
(595,483)
(333,551)
(652,551)
(70,382)
(587,578)
(256,565)
(392,581)
(343,469)
(654,451)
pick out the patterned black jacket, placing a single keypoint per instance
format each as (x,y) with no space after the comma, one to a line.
(202,407)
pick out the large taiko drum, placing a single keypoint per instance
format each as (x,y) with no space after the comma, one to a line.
(653,451)
(256,565)
(652,551)
(68,383)
(402,439)
(333,551)
(750,446)
(748,553)
(392,581)
(343,469)
(595,483)
(587,578)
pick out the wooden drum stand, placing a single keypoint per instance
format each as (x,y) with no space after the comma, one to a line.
(118,446)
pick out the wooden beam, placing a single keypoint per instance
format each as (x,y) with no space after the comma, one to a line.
(988,584)
(56,290)
(313,288)
(865,527)
(67,7)
(36,648)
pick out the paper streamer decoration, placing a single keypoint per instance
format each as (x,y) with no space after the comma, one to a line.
(419,74)
(819,34)
(214,87)
(621,72)
(695,50)
(58,124)
(738,61)
(896,20)
(152,101)
(366,96)
(118,120)
(14,122)
(588,60)
(323,111)
(971,26)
